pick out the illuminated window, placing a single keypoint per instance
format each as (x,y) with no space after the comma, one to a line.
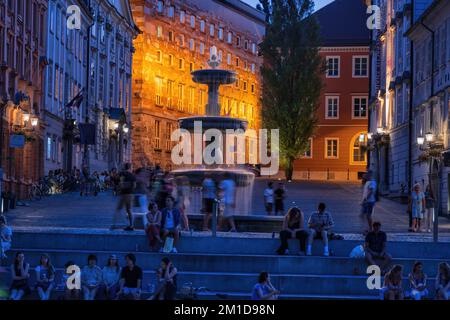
(182,16)
(220,33)
(191,99)
(254,48)
(159,31)
(192,21)
(202,25)
(160,7)
(171,11)
(253,68)
(230,37)
(211,30)
(170,86)
(191,45)
(202,48)
(358,153)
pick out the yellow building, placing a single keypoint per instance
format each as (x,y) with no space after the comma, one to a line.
(176,40)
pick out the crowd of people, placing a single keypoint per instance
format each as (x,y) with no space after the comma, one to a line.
(112,282)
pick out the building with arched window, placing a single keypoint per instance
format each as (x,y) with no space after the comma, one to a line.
(337,150)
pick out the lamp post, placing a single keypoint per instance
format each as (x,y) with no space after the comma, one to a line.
(376,140)
(433,154)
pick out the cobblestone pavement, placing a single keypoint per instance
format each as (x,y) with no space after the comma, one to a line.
(342,199)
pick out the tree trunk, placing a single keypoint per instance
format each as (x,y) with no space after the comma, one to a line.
(289,170)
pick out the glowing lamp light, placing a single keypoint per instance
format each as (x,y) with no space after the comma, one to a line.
(361,137)
(116,126)
(369,136)
(380,130)
(429,137)
(26,117)
(34,122)
(126,129)
(420,141)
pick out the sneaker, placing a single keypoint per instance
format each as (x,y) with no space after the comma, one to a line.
(174,250)
(129,228)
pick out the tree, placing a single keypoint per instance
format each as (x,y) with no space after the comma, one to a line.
(291,75)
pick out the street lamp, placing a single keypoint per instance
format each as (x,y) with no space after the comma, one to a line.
(420,140)
(125,129)
(380,130)
(429,136)
(26,117)
(34,121)
(370,135)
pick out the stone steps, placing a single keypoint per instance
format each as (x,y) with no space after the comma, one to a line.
(231,263)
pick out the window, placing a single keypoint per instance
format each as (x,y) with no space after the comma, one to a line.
(253,68)
(159,56)
(56,96)
(246,45)
(237,62)
(170,85)
(181,40)
(332,148)
(159,31)
(182,16)
(202,48)
(158,87)
(244,85)
(331,107)
(238,41)
(359,107)
(254,48)
(181,64)
(160,7)
(230,37)
(50,80)
(192,22)
(202,25)
(211,30)
(220,55)
(171,36)
(220,33)
(169,129)
(191,66)
(358,153)
(333,67)
(49,148)
(191,45)
(228,58)
(191,99)
(52,18)
(170,60)
(171,11)
(157,134)
(252,88)
(360,66)
(308,150)
(180,97)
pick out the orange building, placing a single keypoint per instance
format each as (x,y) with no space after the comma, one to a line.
(176,39)
(335,151)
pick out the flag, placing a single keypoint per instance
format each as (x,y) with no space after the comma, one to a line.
(87,133)
(76,101)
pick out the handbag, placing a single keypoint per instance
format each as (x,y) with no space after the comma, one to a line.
(168,245)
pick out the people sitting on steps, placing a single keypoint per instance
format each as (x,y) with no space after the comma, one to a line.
(91,278)
(20,277)
(170,223)
(442,284)
(375,248)
(293,228)
(264,290)
(418,282)
(45,277)
(392,288)
(130,284)
(319,224)
(166,281)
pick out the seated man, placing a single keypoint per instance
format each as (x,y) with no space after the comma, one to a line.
(319,224)
(171,222)
(130,282)
(375,248)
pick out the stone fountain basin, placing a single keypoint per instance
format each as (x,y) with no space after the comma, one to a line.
(241,177)
(213,122)
(217,76)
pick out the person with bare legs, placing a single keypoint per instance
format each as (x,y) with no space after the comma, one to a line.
(228,187)
(369,199)
(127,183)
(417,206)
(429,208)
(171,222)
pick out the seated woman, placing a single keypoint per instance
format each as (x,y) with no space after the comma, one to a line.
(443,282)
(152,225)
(110,279)
(418,282)
(293,227)
(91,277)
(167,281)
(19,273)
(264,290)
(393,284)
(45,277)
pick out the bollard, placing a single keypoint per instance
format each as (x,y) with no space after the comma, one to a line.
(215,214)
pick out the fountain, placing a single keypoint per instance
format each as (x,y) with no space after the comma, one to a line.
(195,174)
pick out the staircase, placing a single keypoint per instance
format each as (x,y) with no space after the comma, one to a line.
(230,266)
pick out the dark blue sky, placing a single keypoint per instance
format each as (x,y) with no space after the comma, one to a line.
(318,3)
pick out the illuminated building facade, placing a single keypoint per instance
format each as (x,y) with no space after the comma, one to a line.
(177,38)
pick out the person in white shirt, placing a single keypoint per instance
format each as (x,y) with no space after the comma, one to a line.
(368,199)
(268,198)
(228,188)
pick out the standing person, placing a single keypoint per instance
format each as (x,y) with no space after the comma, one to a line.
(369,198)
(45,277)
(417,206)
(268,198)
(442,284)
(319,223)
(182,193)
(171,222)
(429,207)
(393,284)
(208,196)
(85,178)
(5,238)
(152,225)
(229,195)
(130,283)
(280,195)
(409,211)
(19,274)
(264,290)
(418,281)
(126,186)
(293,228)
(375,248)
(140,192)
(110,278)
(91,278)
(167,281)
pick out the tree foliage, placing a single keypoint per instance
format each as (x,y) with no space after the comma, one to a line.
(291,75)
